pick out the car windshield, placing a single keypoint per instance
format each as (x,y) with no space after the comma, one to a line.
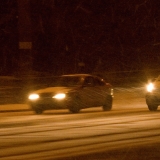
(67,81)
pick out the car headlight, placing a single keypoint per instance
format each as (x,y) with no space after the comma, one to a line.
(150,87)
(59,96)
(33,96)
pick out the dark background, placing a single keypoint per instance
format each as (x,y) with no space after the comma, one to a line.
(105,37)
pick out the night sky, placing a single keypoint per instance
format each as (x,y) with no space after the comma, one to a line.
(104,36)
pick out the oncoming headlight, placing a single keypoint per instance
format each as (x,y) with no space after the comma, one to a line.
(59,96)
(150,87)
(33,96)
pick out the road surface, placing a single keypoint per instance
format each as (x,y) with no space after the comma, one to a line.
(129,131)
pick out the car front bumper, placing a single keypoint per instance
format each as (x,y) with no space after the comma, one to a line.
(50,103)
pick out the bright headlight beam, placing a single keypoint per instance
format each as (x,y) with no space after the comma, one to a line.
(150,87)
(33,96)
(59,96)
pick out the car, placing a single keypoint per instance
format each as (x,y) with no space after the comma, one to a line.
(153,94)
(73,92)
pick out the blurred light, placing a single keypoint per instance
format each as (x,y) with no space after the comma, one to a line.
(150,87)
(33,96)
(112,92)
(59,96)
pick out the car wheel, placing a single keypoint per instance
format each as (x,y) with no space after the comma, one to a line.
(76,106)
(37,109)
(151,103)
(152,107)
(108,104)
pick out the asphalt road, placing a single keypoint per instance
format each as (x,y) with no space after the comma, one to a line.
(129,131)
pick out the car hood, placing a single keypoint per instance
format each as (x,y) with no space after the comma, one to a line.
(55,90)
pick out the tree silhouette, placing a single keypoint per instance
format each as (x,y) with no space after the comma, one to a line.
(105,35)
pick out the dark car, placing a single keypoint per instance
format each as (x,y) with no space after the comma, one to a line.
(153,94)
(73,92)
